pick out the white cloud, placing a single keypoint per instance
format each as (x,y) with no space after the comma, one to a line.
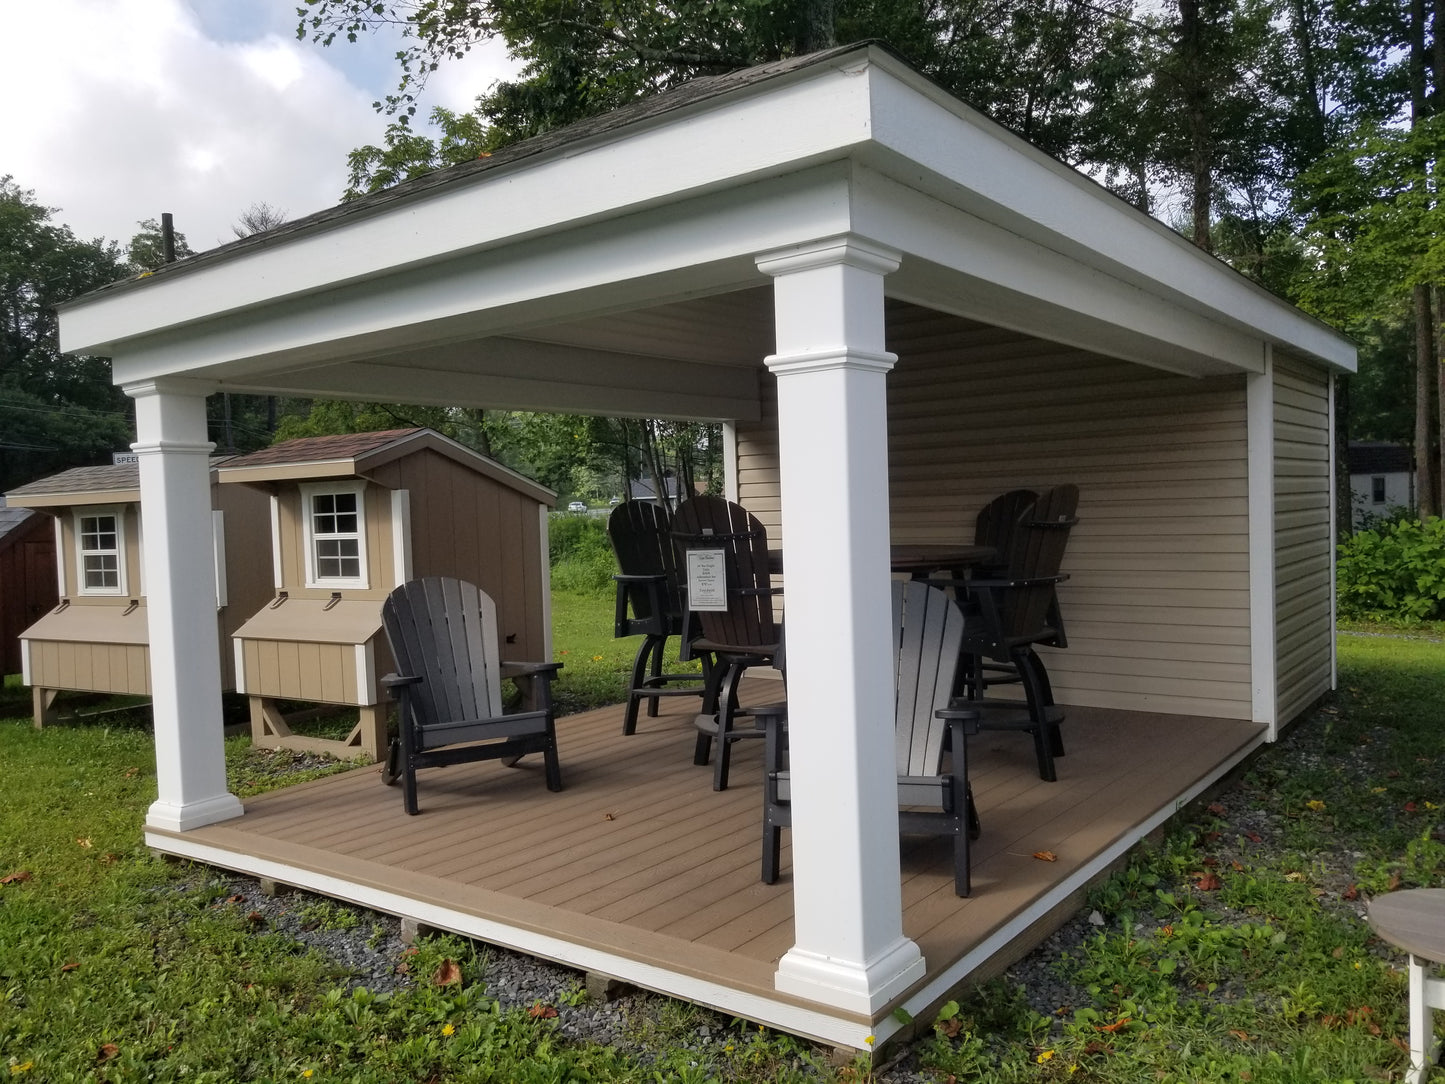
(121,109)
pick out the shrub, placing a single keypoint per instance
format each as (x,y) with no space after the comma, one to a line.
(1394,572)
(581,556)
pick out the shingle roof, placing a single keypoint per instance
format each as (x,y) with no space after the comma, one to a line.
(321,449)
(11,518)
(695,90)
(1379,457)
(84,480)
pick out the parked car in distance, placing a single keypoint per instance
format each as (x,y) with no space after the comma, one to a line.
(577,506)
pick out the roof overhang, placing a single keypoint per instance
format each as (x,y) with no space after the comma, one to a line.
(538,281)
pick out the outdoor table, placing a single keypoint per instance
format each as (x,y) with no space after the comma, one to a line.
(1414,921)
(918,560)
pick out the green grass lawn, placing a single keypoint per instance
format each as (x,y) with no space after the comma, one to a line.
(1218,959)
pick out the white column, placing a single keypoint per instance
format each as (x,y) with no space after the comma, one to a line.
(1259,434)
(175,486)
(831,366)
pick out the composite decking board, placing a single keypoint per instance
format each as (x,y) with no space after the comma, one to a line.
(672,880)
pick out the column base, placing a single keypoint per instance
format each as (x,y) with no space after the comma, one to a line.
(170,817)
(860,988)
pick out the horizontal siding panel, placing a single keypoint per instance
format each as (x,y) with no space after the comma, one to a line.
(1157,605)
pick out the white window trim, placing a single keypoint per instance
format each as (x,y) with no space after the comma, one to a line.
(118,511)
(313,489)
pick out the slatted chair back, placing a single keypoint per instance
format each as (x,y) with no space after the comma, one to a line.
(1036,551)
(641,537)
(445,630)
(998,519)
(712,523)
(927,634)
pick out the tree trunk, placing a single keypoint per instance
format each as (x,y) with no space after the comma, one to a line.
(1424,385)
(1344,492)
(1196,114)
(816,29)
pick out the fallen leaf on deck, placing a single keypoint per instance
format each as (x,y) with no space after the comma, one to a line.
(1046,856)
(608,817)
(447,974)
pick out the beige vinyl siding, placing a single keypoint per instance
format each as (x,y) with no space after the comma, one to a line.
(86,667)
(1157,603)
(1302,557)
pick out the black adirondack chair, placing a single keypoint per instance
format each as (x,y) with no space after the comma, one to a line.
(1009,613)
(742,636)
(443,636)
(649,604)
(933,798)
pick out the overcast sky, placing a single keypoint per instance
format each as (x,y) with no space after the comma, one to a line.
(118,110)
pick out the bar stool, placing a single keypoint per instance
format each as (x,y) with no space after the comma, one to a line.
(1414,922)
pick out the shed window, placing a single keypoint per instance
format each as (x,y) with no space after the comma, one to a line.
(335,535)
(1377,490)
(100,551)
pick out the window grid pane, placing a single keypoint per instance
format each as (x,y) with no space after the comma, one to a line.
(336,536)
(100,553)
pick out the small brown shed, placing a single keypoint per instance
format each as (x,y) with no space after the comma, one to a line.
(95,639)
(27,577)
(352,517)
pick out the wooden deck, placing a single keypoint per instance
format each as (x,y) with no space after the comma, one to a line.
(639,869)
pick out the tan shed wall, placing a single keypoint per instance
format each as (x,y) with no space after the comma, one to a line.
(293,670)
(1157,604)
(85,667)
(71,587)
(1302,558)
(467,525)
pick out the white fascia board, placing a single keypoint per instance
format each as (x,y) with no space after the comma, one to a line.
(778,126)
(1013,274)
(1030,193)
(705,245)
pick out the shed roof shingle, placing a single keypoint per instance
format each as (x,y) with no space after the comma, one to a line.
(321,449)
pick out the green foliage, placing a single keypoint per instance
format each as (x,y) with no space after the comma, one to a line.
(1395,572)
(147,248)
(582,559)
(56,411)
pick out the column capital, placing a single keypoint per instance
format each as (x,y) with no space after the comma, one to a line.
(841,357)
(169,385)
(847,250)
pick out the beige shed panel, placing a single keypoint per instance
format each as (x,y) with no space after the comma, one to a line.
(480,529)
(301,650)
(131,529)
(1157,603)
(90,649)
(1302,522)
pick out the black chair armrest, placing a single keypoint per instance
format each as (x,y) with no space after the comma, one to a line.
(529,669)
(649,578)
(398,683)
(1027,581)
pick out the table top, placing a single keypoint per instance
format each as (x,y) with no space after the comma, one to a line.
(1412,920)
(919,558)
